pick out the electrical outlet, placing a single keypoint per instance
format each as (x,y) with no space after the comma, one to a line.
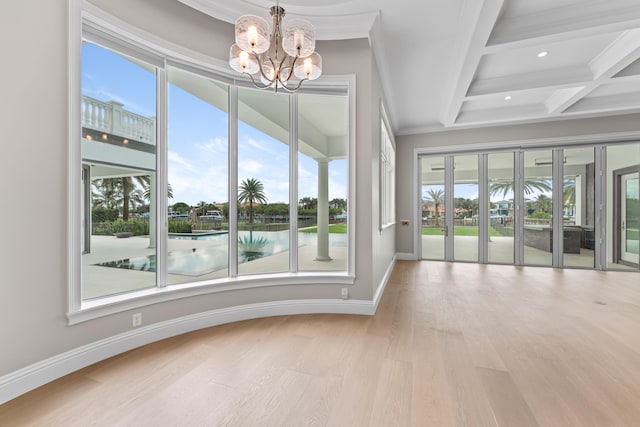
(345,293)
(136,320)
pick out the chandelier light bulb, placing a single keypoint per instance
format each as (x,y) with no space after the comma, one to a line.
(252,36)
(308,67)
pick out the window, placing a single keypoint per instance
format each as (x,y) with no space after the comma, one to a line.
(263,182)
(198,178)
(118,148)
(387,173)
(322,183)
(186,180)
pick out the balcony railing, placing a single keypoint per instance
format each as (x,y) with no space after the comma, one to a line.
(111,118)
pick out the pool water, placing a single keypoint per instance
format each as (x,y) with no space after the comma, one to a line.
(199,261)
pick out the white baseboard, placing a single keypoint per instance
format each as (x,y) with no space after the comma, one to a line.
(28,378)
(383,285)
(406,256)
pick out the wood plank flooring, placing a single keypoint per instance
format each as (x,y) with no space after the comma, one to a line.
(451,345)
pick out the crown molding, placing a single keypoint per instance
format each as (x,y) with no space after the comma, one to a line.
(342,24)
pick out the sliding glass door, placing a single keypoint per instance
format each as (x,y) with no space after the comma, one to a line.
(501,206)
(629,217)
(433,208)
(465,208)
(575,206)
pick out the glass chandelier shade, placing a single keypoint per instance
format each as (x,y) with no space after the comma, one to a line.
(277,57)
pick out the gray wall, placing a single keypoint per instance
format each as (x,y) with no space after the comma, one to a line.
(33,283)
(405,157)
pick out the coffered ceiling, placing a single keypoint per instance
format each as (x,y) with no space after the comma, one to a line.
(467,63)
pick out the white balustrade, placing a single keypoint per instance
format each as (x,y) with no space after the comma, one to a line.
(110,117)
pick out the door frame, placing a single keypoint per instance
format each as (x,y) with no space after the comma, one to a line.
(617,215)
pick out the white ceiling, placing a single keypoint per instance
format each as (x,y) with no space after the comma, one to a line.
(451,63)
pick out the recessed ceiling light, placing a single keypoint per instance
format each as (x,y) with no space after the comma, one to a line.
(543,54)
(507,98)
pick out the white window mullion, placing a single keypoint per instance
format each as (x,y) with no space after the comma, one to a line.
(557,230)
(519,207)
(233,181)
(483,217)
(74,156)
(449,208)
(161,176)
(600,229)
(293,183)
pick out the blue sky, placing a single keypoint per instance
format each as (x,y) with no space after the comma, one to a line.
(198,135)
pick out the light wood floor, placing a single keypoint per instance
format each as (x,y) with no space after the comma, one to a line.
(451,344)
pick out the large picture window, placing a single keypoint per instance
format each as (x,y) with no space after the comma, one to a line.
(188,180)
(119,171)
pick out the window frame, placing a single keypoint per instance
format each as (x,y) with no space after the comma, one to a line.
(126,39)
(387,171)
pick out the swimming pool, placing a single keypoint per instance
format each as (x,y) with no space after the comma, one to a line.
(204,260)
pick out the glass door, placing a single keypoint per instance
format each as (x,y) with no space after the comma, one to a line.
(433,208)
(538,207)
(465,208)
(578,207)
(501,182)
(629,218)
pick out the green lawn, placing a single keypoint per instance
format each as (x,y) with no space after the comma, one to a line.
(333,228)
(460,230)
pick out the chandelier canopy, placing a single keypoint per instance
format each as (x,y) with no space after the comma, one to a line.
(277,57)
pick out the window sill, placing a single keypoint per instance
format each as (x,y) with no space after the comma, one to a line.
(113,304)
(387,226)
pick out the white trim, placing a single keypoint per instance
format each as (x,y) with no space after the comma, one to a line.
(416,204)
(406,256)
(382,286)
(74,164)
(565,141)
(33,376)
(351,174)
(93,309)
(386,190)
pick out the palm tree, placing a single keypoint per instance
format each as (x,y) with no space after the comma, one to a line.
(530,186)
(251,191)
(146,194)
(436,196)
(128,188)
(543,203)
(106,193)
(569,192)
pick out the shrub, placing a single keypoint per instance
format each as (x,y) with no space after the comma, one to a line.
(104,215)
(540,215)
(136,226)
(179,226)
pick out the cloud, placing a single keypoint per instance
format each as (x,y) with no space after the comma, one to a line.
(258,145)
(215,146)
(250,167)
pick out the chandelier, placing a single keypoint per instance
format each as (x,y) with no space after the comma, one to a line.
(283,57)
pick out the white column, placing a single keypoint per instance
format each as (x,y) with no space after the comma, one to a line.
(579,201)
(323,211)
(153,211)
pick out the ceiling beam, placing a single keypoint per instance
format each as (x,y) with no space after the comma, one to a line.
(481,16)
(564,77)
(618,55)
(561,99)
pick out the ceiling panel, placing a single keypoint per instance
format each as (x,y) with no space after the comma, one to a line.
(561,54)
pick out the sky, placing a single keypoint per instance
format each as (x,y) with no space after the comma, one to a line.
(198,135)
